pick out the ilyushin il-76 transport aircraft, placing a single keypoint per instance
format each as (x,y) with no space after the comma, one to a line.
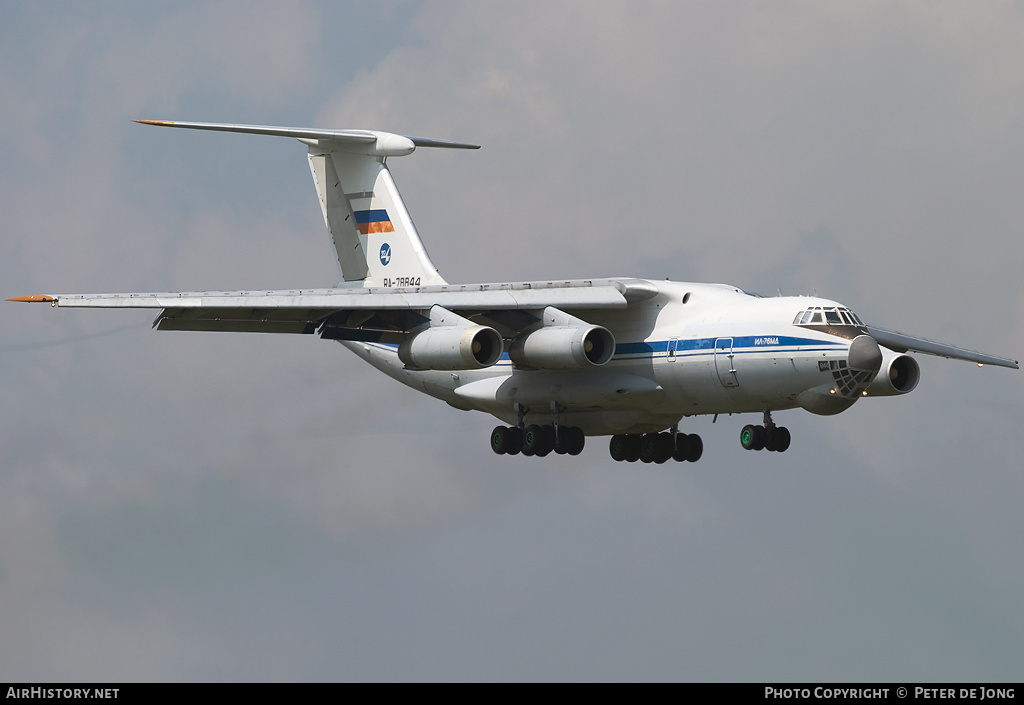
(555,361)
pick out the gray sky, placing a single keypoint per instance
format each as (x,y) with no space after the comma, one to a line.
(182,506)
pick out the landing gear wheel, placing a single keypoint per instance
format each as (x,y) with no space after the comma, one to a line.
(747,436)
(648,447)
(682,445)
(576,440)
(655,447)
(533,440)
(759,437)
(515,440)
(617,447)
(568,438)
(696,448)
(547,434)
(632,447)
(500,440)
(781,439)
(688,448)
(666,446)
(753,437)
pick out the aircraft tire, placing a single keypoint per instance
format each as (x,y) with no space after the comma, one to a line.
(695,449)
(782,439)
(632,447)
(747,435)
(576,440)
(665,447)
(533,440)
(547,434)
(515,440)
(681,447)
(760,436)
(563,439)
(649,447)
(617,447)
(499,440)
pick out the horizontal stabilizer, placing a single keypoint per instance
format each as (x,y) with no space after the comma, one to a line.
(361,141)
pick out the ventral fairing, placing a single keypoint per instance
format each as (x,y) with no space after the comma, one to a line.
(555,361)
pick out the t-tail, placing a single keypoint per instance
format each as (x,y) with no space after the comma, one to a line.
(374,236)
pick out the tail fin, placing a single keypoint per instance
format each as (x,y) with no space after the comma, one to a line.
(376,241)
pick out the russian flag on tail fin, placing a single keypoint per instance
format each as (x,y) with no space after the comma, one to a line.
(373,221)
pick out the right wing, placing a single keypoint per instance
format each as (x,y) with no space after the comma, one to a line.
(377,314)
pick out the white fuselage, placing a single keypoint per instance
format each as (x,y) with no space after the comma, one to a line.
(691,349)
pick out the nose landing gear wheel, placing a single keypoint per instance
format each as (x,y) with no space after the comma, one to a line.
(778,439)
(752,437)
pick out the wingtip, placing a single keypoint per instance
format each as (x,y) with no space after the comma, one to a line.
(159,123)
(33,297)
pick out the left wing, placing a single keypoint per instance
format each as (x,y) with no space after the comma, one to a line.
(900,342)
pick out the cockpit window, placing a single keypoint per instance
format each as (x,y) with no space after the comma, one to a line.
(837,321)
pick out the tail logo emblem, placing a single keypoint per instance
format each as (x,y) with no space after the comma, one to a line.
(385,254)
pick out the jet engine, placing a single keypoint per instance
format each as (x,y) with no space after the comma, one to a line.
(899,374)
(563,342)
(451,342)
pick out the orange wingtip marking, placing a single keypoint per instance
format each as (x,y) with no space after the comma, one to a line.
(33,297)
(154,122)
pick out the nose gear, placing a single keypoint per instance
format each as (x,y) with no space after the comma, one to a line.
(767,437)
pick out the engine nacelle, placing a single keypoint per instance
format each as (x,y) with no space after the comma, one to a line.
(563,347)
(899,374)
(451,343)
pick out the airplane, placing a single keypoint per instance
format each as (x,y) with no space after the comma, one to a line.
(554,361)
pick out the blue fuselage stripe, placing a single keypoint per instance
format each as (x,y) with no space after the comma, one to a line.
(745,345)
(757,342)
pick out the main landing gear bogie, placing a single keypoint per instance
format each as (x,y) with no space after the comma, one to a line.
(537,440)
(656,447)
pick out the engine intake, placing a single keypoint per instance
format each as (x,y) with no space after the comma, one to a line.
(451,343)
(899,374)
(563,342)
